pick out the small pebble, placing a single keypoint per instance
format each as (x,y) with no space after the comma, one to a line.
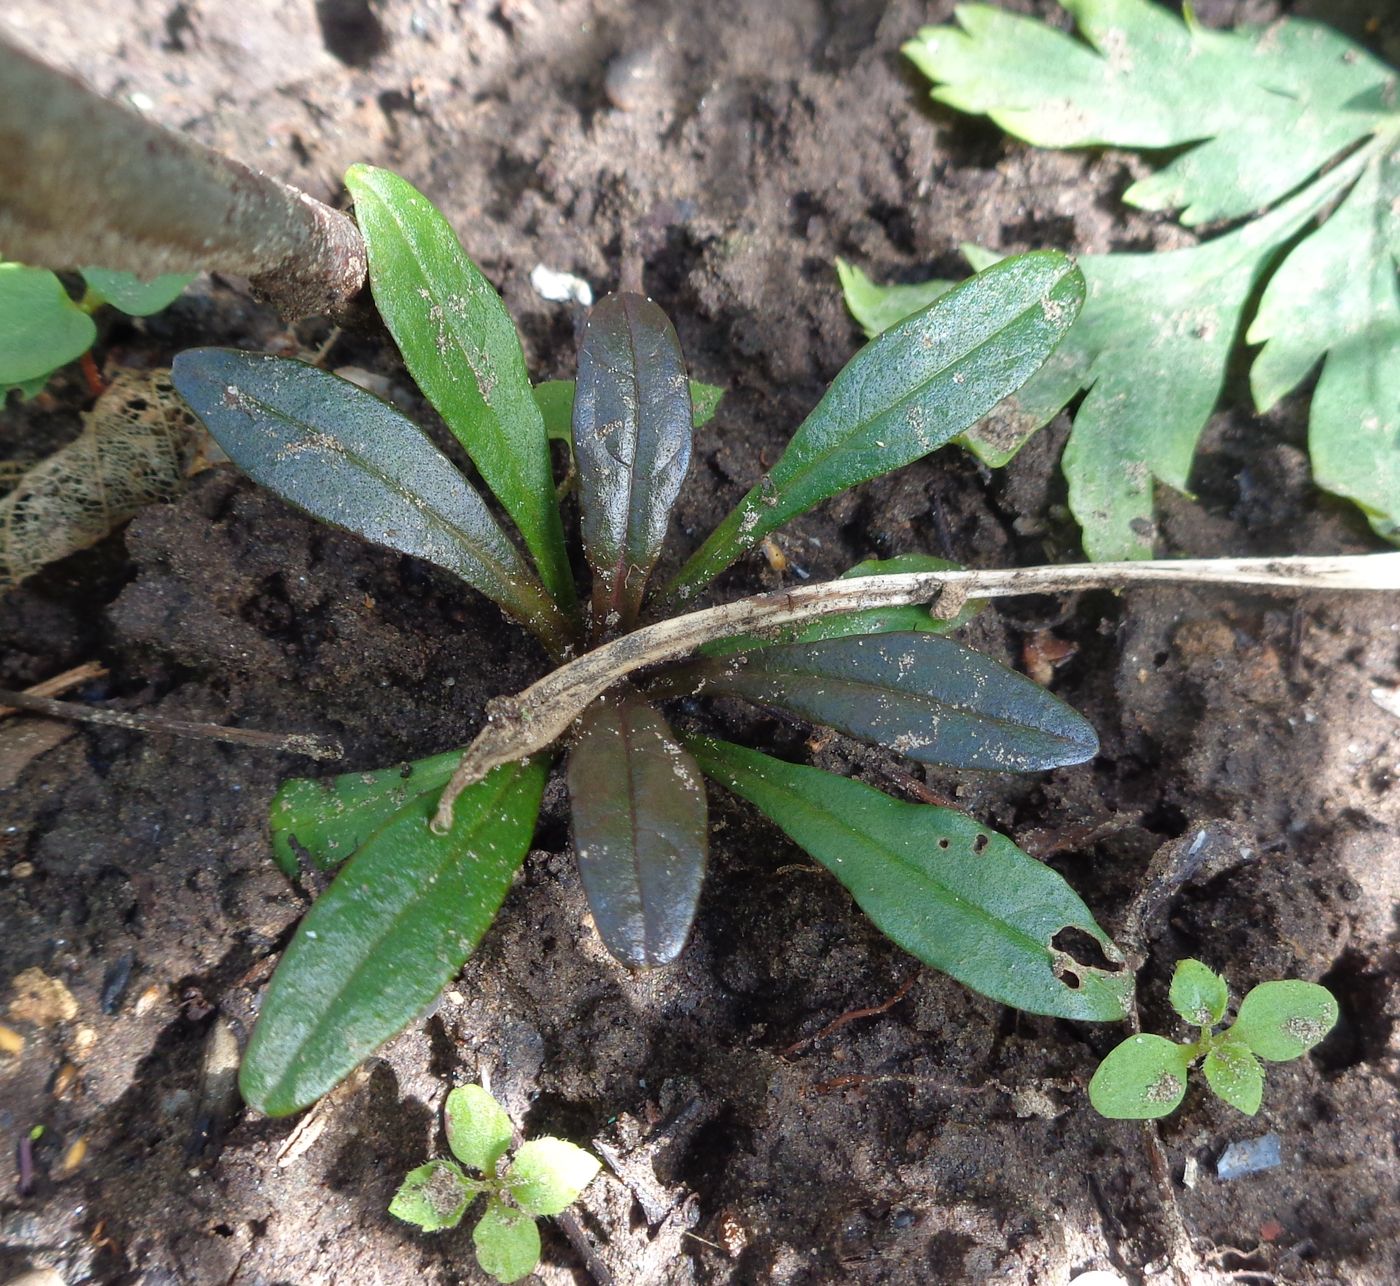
(632,79)
(1249,1157)
(560,287)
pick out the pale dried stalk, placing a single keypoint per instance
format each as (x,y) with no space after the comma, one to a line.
(535,718)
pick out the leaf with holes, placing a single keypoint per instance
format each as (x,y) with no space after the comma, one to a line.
(952,893)
(352,460)
(328,818)
(632,431)
(640,828)
(391,931)
(924,696)
(915,387)
(460,345)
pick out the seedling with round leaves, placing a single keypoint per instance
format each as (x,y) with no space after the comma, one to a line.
(543,1177)
(1145,1077)
(432,846)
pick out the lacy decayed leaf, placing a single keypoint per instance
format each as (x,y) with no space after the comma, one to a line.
(641,828)
(915,387)
(1267,110)
(135,449)
(631,432)
(350,459)
(953,893)
(924,696)
(391,931)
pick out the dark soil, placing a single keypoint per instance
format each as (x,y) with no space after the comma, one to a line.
(946,1139)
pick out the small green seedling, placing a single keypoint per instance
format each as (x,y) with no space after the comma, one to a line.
(543,1177)
(1284,144)
(42,327)
(1145,1076)
(433,846)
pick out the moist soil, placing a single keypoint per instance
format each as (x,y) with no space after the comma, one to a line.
(942,1138)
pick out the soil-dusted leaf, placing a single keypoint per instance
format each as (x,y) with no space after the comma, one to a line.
(459,343)
(133,296)
(1283,1020)
(910,618)
(1234,1074)
(350,459)
(555,398)
(915,387)
(328,818)
(434,1196)
(478,1129)
(1198,994)
(877,307)
(925,696)
(640,828)
(547,1175)
(957,895)
(391,931)
(1141,1079)
(41,328)
(507,1243)
(1267,110)
(632,436)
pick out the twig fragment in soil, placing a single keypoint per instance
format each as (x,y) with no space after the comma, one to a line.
(850,1016)
(61,683)
(295,743)
(537,717)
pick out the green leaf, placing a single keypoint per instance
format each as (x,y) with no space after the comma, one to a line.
(956,895)
(133,296)
(1269,110)
(41,329)
(547,1175)
(1141,1079)
(877,308)
(459,343)
(555,398)
(391,931)
(1235,1076)
(640,828)
(915,387)
(911,618)
(434,1196)
(632,431)
(926,697)
(1280,1021)
(478,1129)
(507,1243)
(352,460)
(328,818)
(1198,994)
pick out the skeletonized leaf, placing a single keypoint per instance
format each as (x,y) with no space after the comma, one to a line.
(958,896)
(924,696)
(632,437)
(41,329)
(352,460)
(328,818)
(918,385)
(419,900)
(640,828)
(461,347)
(1142,1078)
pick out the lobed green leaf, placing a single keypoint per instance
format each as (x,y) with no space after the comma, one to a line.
(952,893)
(641,828)
(547,1175)
(924,696)
(912,389)
(352,460)
(459,343)
(391,931)
(632,438)
(1234,1075)
(1141,1079)
(507,1243)
(478,1130)
(41,328)
(1280,1021)
(1198,994)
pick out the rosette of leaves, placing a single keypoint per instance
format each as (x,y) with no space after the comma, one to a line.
(1289,138)
(544,1177)
(408,903)
(42,327)
(1145,1077)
